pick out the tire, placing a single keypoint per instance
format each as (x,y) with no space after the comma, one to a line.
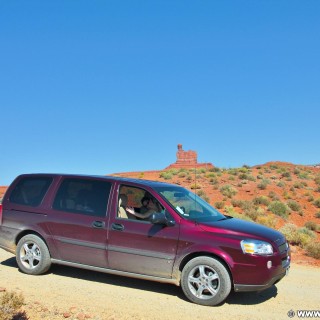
(32,255)
(205,281)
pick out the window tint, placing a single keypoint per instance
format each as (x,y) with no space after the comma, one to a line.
(30,191)
(89,197)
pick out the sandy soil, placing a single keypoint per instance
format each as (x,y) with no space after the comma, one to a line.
(78,294)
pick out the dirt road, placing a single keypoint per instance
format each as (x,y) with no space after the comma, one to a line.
(78,294)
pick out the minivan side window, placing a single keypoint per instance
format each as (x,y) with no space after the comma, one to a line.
(30,191)
(136,204)
(82,196)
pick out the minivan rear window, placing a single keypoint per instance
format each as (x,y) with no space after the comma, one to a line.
(30,191)
(83,196)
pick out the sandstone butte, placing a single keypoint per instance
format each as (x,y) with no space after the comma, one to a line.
(282,181)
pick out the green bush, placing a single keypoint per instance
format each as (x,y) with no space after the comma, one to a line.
(273,196)
(219,205)
(311,225)
(234,214)
(317,180)
(313,250)
(279,208)
(268,221)
(263,184)
(281,184)
(286,174)
(317,215)
(261,200)
(293,205)
(301,237)
(317,203)
(228,191)
(203,195)
(182,175)
(166,175)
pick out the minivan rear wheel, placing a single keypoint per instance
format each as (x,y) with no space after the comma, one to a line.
(32,255)
(205,281)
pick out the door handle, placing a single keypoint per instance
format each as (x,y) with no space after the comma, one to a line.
(98,224)
(117,226)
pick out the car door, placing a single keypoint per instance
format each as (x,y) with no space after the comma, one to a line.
(139,246)
(78,221)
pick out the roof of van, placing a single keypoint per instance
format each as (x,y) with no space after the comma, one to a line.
(150,183)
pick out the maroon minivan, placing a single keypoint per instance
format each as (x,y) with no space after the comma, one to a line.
(138,228)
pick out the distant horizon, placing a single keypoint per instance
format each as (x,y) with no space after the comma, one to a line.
(163,169)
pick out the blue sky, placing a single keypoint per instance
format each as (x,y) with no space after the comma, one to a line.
(98,87)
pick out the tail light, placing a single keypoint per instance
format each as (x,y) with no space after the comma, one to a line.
(0,214)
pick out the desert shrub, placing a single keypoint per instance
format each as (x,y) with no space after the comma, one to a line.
(219,204)
(279,208)
(228,191)
(273,196)
(230,211)
(236,202)
(293,205)
(211,175)
(296,171)
(310,198)
(141,175)
(311,225)
(203,195)
(195,186)
(213,181)
(263,184)
(317,180)
(261,200)
(233,171)
(298,185)
(317,215)
(267,220)
(174,171)
(313,250)
(10,303)
(182,174)
(166,175)
(301,237)
(286,174)
(243,176)
(251,212)
(303,175)
(281,184)
(317,203)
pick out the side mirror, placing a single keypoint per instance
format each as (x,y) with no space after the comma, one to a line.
(163,218)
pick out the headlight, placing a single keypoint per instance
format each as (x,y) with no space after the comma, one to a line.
(256,247)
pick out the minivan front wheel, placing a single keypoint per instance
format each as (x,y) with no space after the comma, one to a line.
(205,281)
(32,255)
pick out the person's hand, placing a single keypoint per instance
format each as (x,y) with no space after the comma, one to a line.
(130,210)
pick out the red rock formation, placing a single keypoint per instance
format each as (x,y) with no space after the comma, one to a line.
(188,159)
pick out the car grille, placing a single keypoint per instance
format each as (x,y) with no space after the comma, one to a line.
(283,247)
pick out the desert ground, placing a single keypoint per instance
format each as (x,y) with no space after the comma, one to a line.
(69,293)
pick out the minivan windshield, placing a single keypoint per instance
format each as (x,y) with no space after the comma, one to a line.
(189,205)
